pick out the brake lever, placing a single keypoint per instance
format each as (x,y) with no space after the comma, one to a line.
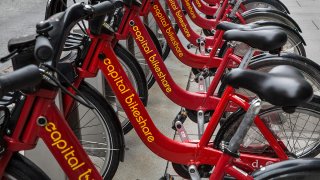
(9,56)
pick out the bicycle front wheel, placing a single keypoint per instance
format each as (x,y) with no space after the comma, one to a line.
(21,167)
(97,130)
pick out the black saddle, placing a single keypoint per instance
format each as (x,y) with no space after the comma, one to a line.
(263,38)
(226,26)
(291,169)
(129,3)
(283,86)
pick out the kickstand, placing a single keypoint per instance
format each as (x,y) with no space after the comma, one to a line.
(167,177)
(181,116)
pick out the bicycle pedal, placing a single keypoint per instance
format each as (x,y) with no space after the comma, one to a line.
(167,177)
(181,116)
(189,46)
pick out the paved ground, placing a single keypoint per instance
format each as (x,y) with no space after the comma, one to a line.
(18,17)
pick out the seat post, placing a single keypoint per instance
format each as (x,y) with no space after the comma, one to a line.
(246,59)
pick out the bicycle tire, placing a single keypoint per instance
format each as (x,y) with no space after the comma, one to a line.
(291,169)
(20,167)
(106,135)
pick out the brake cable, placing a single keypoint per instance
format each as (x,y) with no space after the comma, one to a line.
(84,102)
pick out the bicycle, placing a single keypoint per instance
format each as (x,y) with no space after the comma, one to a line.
(204,103)
(164,147)
(294,37)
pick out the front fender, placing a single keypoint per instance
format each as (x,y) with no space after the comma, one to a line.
(290,168)
(263,11)
(291,56)
(286,10)
(283,26)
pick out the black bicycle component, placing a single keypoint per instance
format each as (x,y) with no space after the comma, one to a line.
(43,27)
(68,68)
(181,116)
(9,56)
(182,170)
(25,77)
(84,102)
(291,169)
(4,119)
(192,114)
(43,51)
(294,92)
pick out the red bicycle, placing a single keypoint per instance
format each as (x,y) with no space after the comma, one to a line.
(202,102)
(295,40)
(49,124)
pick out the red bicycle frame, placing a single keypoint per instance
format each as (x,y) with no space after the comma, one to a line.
(40,118)
(183,153)
(101,56)
(187,31)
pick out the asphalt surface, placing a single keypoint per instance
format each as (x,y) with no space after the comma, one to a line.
(17,18)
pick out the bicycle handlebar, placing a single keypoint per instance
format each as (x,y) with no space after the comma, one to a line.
(103,8)
(60,24)
(25,77)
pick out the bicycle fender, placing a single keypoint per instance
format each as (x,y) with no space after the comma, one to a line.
(291,56)
(108,107)
(272,11)
(292,167)
(284,6)
(283,26)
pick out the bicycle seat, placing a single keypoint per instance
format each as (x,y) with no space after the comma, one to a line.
(129,3)
(226,26)
(262,38)
(301,167)
(283,86)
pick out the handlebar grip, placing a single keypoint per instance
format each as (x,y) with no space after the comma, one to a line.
(25,77)
(43,50)
(103,8)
